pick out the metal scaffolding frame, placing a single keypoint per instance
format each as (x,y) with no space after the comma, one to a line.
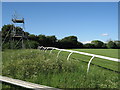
(17,22)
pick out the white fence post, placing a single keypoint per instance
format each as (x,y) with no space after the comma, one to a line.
(69,55)
(46,49)
(89,63)
(51,50)
(58,53)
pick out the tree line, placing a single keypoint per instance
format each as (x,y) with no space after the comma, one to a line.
(50,41)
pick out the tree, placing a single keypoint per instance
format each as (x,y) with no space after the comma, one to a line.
(89,45)
(104,45)
(111,44)
(117,44)
(97,43)
(79,45)
(68,42)
(51,40)
(33,37)
(42,40)
(31,44)
(6,31)
(26,34)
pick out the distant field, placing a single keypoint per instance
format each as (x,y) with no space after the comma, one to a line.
(46,69)
(105,52)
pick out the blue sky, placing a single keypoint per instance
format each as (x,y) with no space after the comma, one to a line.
(86,20)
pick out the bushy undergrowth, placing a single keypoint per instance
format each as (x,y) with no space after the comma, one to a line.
(46,69)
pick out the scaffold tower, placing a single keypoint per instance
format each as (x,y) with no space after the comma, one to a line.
(15,34)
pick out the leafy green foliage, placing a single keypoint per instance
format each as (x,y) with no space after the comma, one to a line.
(111,44)
(97,43)
(89,45)
(6,29)
(33,37)
(68,42)
(51,41)
(31,44)
(117,44)
(79,45)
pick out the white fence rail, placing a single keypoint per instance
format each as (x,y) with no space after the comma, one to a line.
(71,52)
(25,84)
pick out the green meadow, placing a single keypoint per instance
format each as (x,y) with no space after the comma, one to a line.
(43,68)
(105,52)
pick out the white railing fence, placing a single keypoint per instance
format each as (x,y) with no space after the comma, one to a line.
(83,53)
(26,85)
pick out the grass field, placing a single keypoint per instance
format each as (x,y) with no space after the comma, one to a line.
(46,69)
(102,62)
(105,52)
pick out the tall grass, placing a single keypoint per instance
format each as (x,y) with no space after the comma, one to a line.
(46,69)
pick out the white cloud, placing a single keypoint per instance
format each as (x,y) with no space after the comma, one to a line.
(84,42)
(104,34)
